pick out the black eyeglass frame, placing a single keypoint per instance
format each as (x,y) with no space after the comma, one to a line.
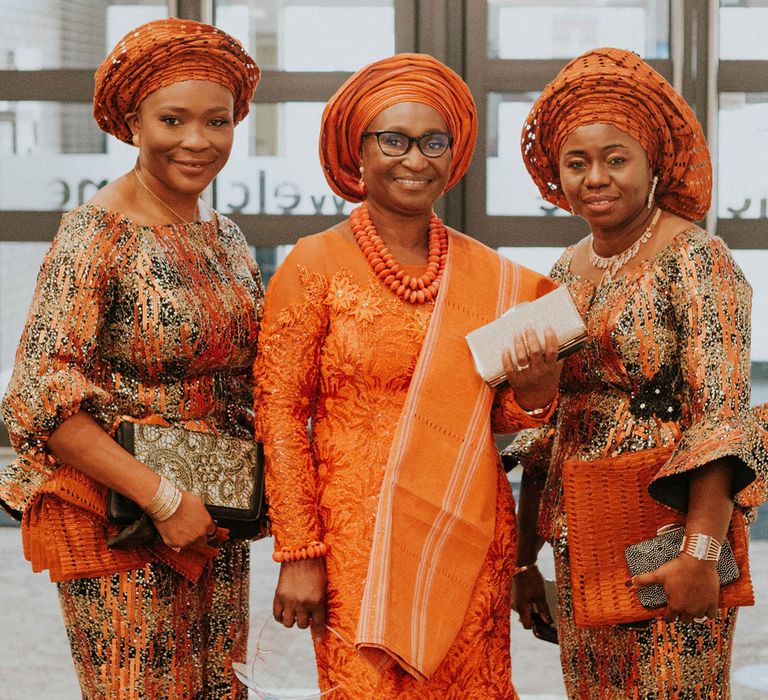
(411,140)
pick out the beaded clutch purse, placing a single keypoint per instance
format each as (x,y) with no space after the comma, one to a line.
(226,472)
(555,309)
(650,554)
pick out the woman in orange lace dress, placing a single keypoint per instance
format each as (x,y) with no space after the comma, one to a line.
(666,365)
(392,517)
(147,307)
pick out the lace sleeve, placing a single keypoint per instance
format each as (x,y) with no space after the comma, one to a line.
(285,373)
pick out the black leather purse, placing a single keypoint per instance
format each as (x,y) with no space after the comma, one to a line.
(226,472)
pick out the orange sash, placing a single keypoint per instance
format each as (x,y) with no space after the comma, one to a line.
(437,507)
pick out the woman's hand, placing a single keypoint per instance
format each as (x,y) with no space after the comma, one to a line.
(190,526)
(692,587)
(528,594)
(300,595)
(532,370)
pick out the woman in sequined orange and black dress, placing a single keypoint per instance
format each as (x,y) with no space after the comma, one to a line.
(148,308)
(666,364)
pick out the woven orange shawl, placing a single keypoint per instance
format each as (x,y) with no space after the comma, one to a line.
(437,512)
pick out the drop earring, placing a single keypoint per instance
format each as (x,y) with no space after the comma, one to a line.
(361,181)
(136,140)
(651,194)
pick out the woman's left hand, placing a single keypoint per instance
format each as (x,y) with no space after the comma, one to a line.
(692,587)
(532,369)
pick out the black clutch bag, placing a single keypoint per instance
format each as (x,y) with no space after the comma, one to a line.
(649,555)
(226,472)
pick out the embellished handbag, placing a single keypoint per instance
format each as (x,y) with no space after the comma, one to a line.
(650,554)
(226,472)
(608,508)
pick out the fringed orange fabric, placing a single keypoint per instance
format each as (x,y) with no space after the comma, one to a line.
(616,87)
(405,77)
(436,512)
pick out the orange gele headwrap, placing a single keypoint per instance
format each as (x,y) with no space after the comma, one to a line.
(616,87)
(405,77)
(164,52)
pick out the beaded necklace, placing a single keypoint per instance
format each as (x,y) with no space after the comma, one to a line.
(614,263)
(415,290)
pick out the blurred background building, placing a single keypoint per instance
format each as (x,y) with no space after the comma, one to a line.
(53,156)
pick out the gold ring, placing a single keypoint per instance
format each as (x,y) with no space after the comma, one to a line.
(700,620)
(520,368)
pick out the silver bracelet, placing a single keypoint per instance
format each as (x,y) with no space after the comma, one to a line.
(700,546)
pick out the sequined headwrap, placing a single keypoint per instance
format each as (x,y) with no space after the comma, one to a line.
(405,77)
(616,87)
(164,52)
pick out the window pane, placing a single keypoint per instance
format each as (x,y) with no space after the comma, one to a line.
(19,263)
(43,34)
(742,29)
(754,263)
(278,171)
(566,28)
(742,178)
(53,156)
(311,35)
(509,188)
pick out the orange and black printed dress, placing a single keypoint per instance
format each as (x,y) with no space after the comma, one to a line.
(150,322)
(337,354)
(667,363)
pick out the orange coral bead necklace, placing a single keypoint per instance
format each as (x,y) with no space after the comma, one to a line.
(416,290)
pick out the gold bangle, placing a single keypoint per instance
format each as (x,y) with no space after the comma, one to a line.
(165,502)
(524,568)
(536,412)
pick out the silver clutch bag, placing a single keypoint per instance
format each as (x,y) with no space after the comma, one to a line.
(555,309)
(226,472)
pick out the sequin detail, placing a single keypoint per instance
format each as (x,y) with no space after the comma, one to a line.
(667,363)
(149,634)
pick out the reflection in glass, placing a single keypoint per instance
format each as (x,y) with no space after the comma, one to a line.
(45,34)
(742,176)
(742,30)
(278,171)
(306,35)
(54,156)
(527,29)
(19,264)
(509,189)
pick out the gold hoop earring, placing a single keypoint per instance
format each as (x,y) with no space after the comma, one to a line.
(651,194)
(136,140)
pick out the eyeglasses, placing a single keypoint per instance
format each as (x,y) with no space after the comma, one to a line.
(392,143)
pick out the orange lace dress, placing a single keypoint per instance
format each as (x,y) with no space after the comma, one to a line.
(337,354)
(666,364)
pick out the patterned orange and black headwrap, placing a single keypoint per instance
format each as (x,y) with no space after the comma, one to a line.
(616,87)
(164,52)
(405,77)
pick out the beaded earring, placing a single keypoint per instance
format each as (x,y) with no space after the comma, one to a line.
(654,182)
(136,140)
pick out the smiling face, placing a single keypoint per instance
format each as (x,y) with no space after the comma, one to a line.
(408,184)
(186,132)
(605,177)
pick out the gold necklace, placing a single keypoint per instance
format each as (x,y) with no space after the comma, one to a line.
(614,263)
(167,206)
